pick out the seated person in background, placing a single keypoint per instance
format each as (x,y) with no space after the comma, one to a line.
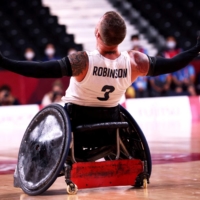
(171,48)
(183,81)
(136,44)
(29,54)
(197,83)
(50,53)
(130,92)
(55,95)
(140,86)
(6,97)
(160,85)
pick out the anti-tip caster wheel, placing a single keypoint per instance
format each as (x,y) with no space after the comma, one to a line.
(71,188)
(144,183)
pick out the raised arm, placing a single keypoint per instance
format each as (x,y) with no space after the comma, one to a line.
(49,69)
(143,65)
(73,65)
(160,65)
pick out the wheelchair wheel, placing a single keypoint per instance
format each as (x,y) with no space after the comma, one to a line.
(135,142)
(43,150)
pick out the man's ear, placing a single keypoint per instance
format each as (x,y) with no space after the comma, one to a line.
(96,32)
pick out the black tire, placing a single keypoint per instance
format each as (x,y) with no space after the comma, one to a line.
(34,149)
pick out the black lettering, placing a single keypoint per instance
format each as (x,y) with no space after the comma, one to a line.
(100,71)
(125,73)
(112,73)
(95,71)
(104,71)
(120,73)
(108,73)
(116,73)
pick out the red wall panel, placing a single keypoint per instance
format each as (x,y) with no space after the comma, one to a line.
(28,90)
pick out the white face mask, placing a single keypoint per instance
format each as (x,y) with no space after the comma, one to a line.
(135,43)
(29,55)
(171,44)
(49,51)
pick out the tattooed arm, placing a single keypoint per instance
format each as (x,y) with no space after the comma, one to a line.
(79,64)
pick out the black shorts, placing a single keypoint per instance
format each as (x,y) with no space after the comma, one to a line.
(88,115)
(82,115)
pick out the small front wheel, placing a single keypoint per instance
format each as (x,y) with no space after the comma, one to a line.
(71,188)
(144,183)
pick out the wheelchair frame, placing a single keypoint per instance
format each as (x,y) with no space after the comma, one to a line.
(131,148)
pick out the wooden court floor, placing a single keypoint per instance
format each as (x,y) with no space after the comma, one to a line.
(175,173)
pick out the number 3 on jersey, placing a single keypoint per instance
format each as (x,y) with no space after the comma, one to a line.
(107,89)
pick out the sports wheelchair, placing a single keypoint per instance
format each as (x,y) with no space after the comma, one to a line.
(89,146)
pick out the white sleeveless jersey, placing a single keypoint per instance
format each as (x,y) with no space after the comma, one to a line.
(104,84)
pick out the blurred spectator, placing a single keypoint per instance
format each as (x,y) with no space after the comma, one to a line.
(130,92)
(183,81)
(160,85)
(197,83)
(55,95)
(29,54)
(136,44)
(71,51)
(171,49)
(50,52)
(6,97)
(140,86)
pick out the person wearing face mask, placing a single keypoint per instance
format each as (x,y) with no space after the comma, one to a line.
(29,54)
(171,48)
(182,80)
(50,53)
(136,44)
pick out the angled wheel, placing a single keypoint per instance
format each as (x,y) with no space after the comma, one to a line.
(134,141)
(44,149)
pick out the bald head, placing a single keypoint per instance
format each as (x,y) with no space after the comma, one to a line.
(112,28)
